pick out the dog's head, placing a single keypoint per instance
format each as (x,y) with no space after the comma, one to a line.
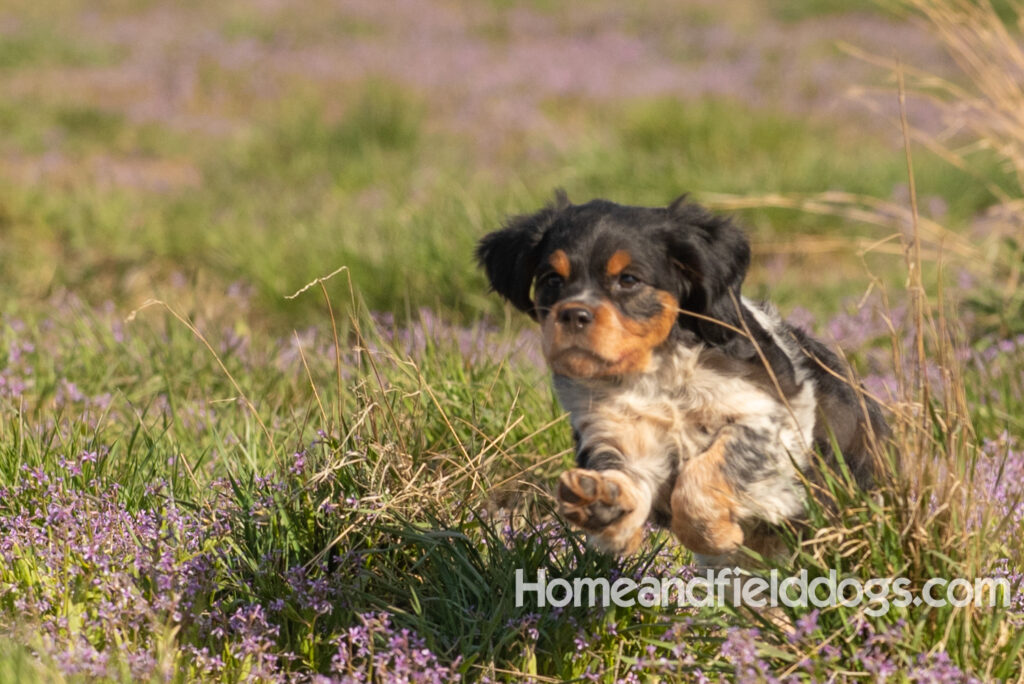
(610,284)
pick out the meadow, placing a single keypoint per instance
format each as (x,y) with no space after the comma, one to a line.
(261,420)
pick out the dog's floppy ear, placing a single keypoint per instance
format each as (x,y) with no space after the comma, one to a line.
(712,255)
(510,255)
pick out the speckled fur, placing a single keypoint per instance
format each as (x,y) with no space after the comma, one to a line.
(692,407)
(650,424)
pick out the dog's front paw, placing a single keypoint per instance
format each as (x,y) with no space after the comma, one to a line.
(590,500)
(605,504)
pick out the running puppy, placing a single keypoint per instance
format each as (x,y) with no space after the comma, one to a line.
(691,406)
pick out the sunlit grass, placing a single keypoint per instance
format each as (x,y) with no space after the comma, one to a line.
(421,487)
(276,482)
(303,191)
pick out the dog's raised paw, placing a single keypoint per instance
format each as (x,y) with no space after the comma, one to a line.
(591,499)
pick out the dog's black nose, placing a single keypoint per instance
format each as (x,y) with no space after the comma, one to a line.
(576,316)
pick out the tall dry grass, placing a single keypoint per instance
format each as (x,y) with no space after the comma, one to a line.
(935,518)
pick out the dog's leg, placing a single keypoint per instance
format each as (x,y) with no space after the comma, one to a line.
(705,504)
(611,505)
(746,476)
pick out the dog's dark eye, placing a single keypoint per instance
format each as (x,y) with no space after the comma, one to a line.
(628,280)
(552,281)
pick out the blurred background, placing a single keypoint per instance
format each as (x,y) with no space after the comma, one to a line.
(192,150)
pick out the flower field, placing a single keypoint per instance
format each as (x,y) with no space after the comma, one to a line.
(260,419)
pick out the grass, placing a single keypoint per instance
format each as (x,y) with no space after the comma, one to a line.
(374,498)
(304,191)
(39,47)
(238,486)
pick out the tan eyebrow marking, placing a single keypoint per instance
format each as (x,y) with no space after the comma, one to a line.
(559,261)
(618,263)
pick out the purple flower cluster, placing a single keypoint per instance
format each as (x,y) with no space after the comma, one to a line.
(377,651)
(998,472)
(877,653)
(134,576)
(16,374)
(1003,568)
(131,573)
(105,584)
(740,649)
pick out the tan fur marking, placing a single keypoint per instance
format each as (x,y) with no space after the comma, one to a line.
(704,504)
(614,344)
(559,261)
(654,330)
(618,263)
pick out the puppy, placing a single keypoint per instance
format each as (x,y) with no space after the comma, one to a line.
(691,406)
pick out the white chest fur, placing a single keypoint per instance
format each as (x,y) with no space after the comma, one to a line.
(652,422)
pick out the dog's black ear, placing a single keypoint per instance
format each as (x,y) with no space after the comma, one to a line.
(712,256)
(510,256)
